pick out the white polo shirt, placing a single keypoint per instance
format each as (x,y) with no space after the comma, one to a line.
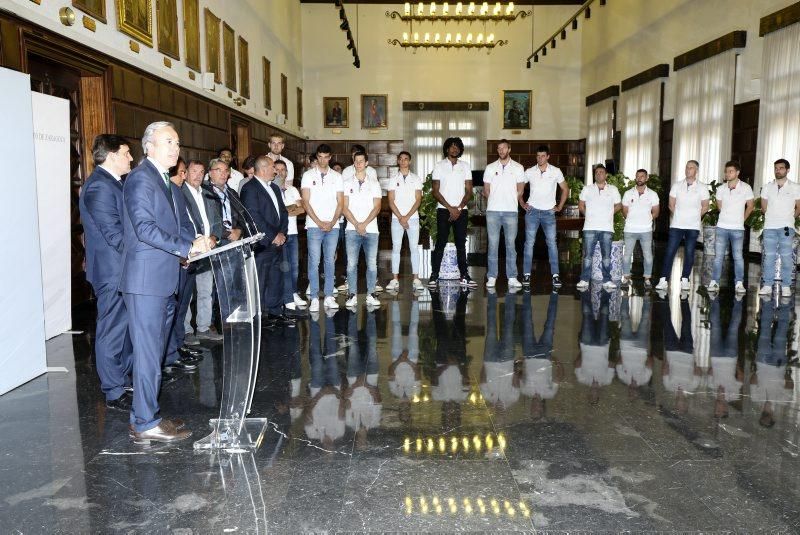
(543,186)
(688,203)
(452,180)
(503,180)
(350,172)
(289,165)
(405,190)
(361,198)
(599,207)
(780,204)
(640,209)
(731,212)
(290,198)
(324,192)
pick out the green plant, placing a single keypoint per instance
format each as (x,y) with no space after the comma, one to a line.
(756,218)
(575,186)
(712,216)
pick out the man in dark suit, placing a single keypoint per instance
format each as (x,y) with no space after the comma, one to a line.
(263,200)
(228,201)
(158,236)
(101,214)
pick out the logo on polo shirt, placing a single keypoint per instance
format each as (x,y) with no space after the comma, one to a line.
(351,190)
(313,182)
(398,184)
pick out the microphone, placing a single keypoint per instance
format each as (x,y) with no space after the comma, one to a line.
(252,228)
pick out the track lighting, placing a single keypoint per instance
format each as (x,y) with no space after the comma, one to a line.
(574,24)
(553,43)
(563,34)
(588,13)
(528,64)
(344,25)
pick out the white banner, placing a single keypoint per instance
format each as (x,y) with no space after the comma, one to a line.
(22,356)
(52,148)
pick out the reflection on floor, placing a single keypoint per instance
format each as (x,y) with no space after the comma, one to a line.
(445,411)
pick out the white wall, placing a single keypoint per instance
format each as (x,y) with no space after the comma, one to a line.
(437,74)
(271,28)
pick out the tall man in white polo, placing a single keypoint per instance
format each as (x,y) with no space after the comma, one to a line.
(735,202)
(276,144)
(540,210)
(598,203)
(500,181)
(640,206)
(688,201)
(780,202)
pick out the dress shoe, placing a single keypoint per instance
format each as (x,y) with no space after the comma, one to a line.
(181,365)
(194,351)
(280,319)
(209,335)
(166,431)
(122,403)
(191,340)
(191,357)
(128,389)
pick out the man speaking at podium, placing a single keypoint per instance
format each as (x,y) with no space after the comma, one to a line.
(158,237)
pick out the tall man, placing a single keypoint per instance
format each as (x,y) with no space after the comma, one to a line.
(735,202)
(540,210)
(323,199)
(780,202)
(290,264)
(452,188)
(157,237)
(236,177)
(101,208)
(688,201)
(263,199)
(405,196)
(501,180)
(598,203)
(276,145)
(362,204)
(640,206)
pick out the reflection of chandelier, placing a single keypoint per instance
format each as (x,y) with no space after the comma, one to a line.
(454,444)
(433,505)
(459,12)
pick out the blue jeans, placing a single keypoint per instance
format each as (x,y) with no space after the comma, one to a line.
(290,267)
(355,242)
(590,238)
(508,222)
(736,238)
(327,241)
(547,220)
(645,240)
(690,242)
(778,241)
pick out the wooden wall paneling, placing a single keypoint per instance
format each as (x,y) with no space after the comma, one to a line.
(745,138)
(124,121)
(165,96)
(118,84)
(202,112)
(180,105)
(191,107)
(11,54)
(95,116)
(568,155)
(150,93)
(133,87)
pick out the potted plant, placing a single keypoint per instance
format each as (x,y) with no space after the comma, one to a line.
(710,219)
(571,206)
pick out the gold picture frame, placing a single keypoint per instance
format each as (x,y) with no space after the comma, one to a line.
(94,8)
(167,28)
(229,55)
(285,96)
(374,111)
(191,33)
(336,112)
(516,109)
(300,107)
(267,81)
(212,45)
(135,18)
(244,68)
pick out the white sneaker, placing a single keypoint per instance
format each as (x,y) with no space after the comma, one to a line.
(299,301)
(290,306)
(373,301)
(314,306)
(685,284)
(662,284)
(491,282)
(330,302)
(343,288)
(765,290)
(352,301)
(378,288)
(609,286)
(308,291)
(514,283)
(786,291)
(418,286)
(582,285)
(740,289)
(393,286)
(314,315)
(713,286)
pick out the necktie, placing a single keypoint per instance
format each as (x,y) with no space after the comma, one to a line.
(169,189)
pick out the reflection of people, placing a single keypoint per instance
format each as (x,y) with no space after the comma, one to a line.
(724,377)
(324,414)
(593,367)
(541,372)
(679,372)
(636,362)
(373,117)
(499,381)
(363,405)
(335,117)
(771,383)
(450,379)
(516,117)
(404,373)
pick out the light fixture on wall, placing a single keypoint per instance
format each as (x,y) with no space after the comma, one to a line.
(344,25)
(458,11)
(449,41)
(584,10)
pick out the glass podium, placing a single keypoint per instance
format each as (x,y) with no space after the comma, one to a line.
(234,269)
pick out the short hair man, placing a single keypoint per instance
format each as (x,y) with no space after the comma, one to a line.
(235,180)
(780,202)
(452,188)
(640,206)
(598,203)
(323,198)
(540,210)
(101,206)
(157,236)
(501,180)
(688,202)
(276,144)
(290,264)
(735,203)
(405,196)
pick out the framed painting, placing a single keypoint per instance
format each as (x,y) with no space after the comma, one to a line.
(167,24)
(244,68)
(229,55)
(212,45)
(267,67)
(285,96)
(373,111)
(300,107)
(191,33)
(516,108)
(95,8)
(336,112)
(135,18)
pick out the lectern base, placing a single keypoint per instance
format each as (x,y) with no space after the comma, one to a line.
(224,437)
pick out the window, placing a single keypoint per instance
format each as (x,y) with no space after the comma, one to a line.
(425,132)
(639,113)
(598,138)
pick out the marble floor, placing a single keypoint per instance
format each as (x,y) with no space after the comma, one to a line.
(452,411)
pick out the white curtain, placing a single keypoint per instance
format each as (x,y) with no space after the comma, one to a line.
(704,116)
(424,133)
(599,135)
(779,111)
(639,115)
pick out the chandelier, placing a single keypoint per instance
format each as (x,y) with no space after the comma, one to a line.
(448,41)
(459,11)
